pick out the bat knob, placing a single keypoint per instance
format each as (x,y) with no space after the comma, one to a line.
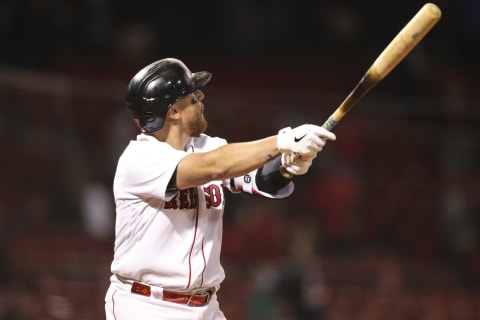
(285,173)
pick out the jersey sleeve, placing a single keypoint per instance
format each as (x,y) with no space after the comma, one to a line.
(145,169)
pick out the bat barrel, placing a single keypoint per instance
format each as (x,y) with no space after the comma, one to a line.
(407,39)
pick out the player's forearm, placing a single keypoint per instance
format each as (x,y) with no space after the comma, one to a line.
(237,159)
(231,160)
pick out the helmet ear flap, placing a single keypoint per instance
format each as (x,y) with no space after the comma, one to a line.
(150,122)
(150,112)
(148,117)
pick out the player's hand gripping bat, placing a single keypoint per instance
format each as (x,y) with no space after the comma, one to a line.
(396,50)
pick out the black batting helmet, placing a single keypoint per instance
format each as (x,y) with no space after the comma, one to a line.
(155,88)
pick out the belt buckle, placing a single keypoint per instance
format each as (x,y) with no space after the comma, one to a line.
(201,293)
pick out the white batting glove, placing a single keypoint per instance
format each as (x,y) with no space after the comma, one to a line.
(307,139)
(297,164)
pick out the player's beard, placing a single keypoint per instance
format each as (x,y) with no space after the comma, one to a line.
(198,125)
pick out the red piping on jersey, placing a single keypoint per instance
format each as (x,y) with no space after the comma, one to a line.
(113,305)
(204,261)
(191,250)
(193,244)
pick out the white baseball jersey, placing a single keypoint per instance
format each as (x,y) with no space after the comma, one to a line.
(170,239)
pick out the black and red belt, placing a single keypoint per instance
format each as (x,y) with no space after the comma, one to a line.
(195,299)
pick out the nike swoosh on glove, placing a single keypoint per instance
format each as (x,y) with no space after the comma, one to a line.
(305,139)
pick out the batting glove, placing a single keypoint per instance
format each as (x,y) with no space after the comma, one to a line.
(297,164)
(307,139)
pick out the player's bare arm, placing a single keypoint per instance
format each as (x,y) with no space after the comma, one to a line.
(237,159)
(229,161)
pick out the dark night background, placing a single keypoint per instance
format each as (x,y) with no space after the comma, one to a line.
(386,223)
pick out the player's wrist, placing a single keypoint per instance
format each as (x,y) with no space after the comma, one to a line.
(284,140)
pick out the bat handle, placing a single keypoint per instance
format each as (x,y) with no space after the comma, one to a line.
(330,123)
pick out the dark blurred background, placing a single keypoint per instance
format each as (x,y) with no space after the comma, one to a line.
(385,225)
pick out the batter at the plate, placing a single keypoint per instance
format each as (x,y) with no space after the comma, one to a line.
(169,193)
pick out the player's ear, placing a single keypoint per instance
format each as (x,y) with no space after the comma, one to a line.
(173,113)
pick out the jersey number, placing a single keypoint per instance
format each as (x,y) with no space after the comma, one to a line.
(213,196)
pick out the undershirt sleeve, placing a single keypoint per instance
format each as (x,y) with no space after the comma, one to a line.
(172,184)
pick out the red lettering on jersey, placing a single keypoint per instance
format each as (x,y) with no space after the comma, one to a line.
(213,195)
(172,204)
(193,198)
(184,199)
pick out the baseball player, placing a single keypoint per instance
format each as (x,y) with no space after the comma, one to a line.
(169,193)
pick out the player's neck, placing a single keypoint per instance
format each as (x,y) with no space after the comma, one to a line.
(176,139)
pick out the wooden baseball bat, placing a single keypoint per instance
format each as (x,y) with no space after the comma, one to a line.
(396,50)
